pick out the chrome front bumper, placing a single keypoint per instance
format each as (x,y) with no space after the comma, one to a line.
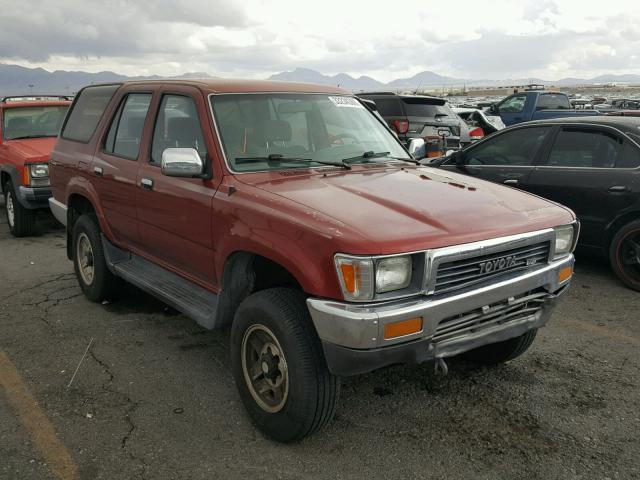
(359,328)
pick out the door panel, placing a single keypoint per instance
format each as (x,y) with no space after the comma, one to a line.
(115,166)
(584,170)
(175,220)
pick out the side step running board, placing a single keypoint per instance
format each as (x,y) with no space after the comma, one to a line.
(192,300)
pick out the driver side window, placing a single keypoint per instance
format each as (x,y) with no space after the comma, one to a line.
(514,148)
(513,104)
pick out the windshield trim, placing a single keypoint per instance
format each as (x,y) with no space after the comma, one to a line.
(320,167)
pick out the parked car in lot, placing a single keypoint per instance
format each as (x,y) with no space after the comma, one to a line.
(476,118)
(418,116)
(291,213)
(28,130)
(536,105)
(592,165)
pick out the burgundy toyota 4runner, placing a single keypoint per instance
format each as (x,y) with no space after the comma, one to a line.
(28,130)
(291,213)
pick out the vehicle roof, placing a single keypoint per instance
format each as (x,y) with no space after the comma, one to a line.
(400,95)
(241,86)
(620,122)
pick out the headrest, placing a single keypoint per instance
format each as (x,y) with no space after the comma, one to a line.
(277,131)
(17,123)
(182,129)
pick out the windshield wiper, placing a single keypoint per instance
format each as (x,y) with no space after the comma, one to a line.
(371,154)
(278,157)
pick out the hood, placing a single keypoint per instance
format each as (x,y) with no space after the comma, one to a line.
(395,210)
(32,148)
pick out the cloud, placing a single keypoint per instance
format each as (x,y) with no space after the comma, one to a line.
(545,38)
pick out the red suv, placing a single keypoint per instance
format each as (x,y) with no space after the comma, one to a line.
(28,127)
(291,213)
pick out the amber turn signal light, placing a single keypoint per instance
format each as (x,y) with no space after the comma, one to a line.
(25,176)
(349,277)
(402,328)
(565,274)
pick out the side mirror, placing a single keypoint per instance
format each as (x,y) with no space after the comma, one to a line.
(458,159)
(417,148)
(181,162)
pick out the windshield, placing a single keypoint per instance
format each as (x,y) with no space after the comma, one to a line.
(33,122)
(288,130)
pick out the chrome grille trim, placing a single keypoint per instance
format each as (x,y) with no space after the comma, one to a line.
(536,245)
(449,275)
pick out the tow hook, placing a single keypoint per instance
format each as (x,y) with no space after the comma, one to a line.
(441,367)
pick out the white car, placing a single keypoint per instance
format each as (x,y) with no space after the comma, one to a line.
(477,118)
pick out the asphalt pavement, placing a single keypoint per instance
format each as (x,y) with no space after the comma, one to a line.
(153,398)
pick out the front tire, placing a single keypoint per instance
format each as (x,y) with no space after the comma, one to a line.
(21,220)
(624,254)
(501,352)
(279,366)
(95,279)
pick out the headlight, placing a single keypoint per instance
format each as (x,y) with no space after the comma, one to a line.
(38,175)
(361,278)
(39,170)
(564,243)
(393,273)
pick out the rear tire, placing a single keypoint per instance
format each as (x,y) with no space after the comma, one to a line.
(21,220)
(501,352)
(279,366)
(624,254)
(95,279)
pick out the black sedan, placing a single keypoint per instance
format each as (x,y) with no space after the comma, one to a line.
(590,164)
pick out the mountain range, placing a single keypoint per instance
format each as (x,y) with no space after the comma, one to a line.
(16,80)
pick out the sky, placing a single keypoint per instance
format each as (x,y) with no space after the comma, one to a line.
(470,39)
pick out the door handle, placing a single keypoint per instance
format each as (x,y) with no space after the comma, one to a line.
(618,188)
(146,183)
(511,181)
(97,171)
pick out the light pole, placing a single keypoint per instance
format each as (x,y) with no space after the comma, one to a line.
(31,88)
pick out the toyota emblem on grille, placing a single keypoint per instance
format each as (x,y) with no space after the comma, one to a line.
(497,264)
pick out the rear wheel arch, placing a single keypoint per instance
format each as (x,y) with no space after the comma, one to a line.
(246,273)
(614,227)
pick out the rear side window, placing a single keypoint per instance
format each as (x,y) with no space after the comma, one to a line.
(86,113)
(553,101)
(389,107)
(591,149)
(125,132)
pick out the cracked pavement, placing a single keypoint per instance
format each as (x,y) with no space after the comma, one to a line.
(154,399)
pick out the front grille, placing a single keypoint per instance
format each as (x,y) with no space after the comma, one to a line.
(484,318)
(457,274)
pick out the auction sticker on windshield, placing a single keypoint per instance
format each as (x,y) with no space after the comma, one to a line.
(346,102)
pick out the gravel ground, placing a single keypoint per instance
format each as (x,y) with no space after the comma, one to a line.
(154,398)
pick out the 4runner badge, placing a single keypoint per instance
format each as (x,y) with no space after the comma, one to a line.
(497,264)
